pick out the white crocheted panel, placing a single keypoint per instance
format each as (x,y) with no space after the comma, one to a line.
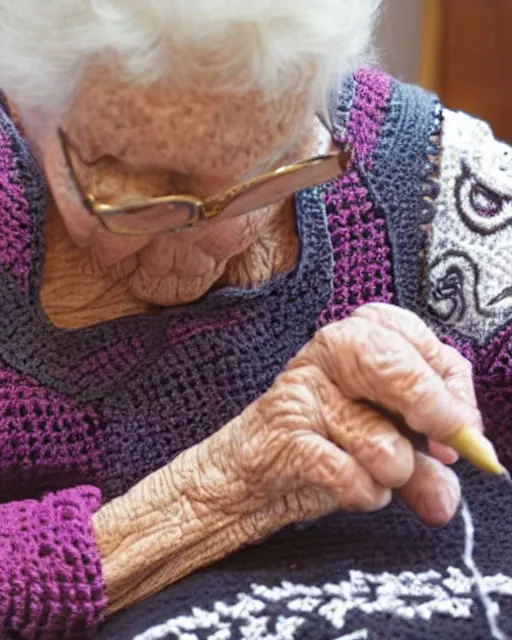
(469,274)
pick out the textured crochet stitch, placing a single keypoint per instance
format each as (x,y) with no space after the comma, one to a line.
(86,414)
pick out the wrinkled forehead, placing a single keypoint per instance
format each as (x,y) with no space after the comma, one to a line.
(191,129)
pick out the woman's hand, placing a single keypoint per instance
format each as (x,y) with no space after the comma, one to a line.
(314,443)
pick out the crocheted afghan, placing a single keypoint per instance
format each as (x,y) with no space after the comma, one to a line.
(422,218)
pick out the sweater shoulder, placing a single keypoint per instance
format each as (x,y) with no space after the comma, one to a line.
(392,130)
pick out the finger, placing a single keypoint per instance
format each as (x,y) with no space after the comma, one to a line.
(441,452)
(363,432)
(370,362)
(294,451)
(374,442)
(433,491)
(324,465)
(455,370)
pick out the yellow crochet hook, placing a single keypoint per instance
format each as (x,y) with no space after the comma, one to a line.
(474,447)
(470,444)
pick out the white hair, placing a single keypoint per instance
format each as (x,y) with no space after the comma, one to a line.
(273,45)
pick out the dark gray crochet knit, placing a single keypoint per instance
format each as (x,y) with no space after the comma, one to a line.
(86,414)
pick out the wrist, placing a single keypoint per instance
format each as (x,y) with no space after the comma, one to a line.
(172,523)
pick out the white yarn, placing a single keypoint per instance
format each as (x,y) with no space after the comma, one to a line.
(490,607)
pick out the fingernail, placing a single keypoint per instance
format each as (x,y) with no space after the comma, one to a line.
(440,505)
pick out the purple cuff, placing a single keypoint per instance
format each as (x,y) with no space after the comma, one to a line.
(50,571)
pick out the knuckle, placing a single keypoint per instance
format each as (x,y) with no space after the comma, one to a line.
(324,338)
(464,365)
(456,365)
(417,387)
(310,503)
(361,429)
(320,342)
(391,461)
(467,367)
(380,308)
(453,355)
(295,397)
(371,311)
(322,469)
(341,331)
(429,344)
(390,315)
(382,499)
(306,375)
(465,370)
(418,393)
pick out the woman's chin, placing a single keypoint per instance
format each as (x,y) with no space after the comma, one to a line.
(169,290)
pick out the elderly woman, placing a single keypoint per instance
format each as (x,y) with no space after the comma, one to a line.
(229,262)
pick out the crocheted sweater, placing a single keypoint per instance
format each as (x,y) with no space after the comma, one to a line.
(422,218)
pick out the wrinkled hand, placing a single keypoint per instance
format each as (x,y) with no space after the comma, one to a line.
(313,443)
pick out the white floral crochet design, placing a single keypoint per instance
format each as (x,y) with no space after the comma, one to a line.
(469,275)
(408,595)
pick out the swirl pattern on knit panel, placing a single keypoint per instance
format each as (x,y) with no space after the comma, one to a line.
(467,271)
(468,281)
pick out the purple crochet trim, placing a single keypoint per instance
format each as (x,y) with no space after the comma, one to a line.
(362,257)
(45,439)
(180,333)
(50,574)
(15,249)
(368,113)
(109,363)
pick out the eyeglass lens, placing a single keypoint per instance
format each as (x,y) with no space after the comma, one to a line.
(179,215)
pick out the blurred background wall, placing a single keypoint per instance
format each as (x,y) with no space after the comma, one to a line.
(398,38)
(461,49)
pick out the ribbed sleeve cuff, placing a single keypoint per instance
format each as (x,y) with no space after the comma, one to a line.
(50,572)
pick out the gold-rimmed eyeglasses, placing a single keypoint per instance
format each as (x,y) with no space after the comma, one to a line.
(177,212)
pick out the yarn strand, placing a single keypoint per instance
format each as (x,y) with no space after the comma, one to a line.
(490,607)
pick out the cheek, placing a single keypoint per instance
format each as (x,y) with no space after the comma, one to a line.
(80,224)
